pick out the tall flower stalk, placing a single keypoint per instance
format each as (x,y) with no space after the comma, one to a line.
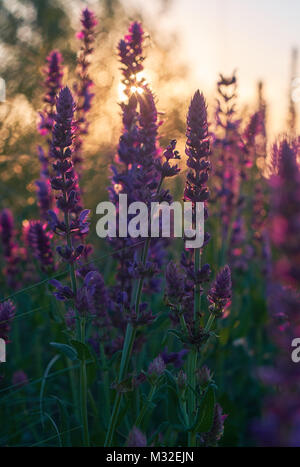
(143,268)
(229,157)
(140,176)
(197,150)
(53,73)
(64,182)
(184,291)
(83,85)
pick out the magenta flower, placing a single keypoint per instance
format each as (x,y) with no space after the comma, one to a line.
(197,150)
(38,239)
(220,292)
(53,82)
(285,215)
(82,88)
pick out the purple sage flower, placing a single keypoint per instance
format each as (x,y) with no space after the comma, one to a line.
(7,314)
(53,82)
(157,366)
(82,88)
(220,293)
(20,378)
(136,438)
(39,241)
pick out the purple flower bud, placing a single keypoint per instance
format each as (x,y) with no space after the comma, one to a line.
(20,378)
(53,82)
(44,196)
(136,438)
(38,240)
(7,314)
(97,293)
(83,85)
(216,432)
(70,318)
(197,150)
(175,281)
(62,292)
(176,358)
(220,292)
(157,366)
(204,375)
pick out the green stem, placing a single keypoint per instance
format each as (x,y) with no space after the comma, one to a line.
(80,328)
(193,354)
(73,386)
(209,322)
(126,354)
(191,378)
(128,345)
(105,377)
(145,407)
(83,390)
(197,265)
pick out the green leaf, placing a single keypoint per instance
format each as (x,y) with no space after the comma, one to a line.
(43,384)
(170,378)
(66,350)
(178,334)
(206,412)
(53,423)
(83,350)
(64,420)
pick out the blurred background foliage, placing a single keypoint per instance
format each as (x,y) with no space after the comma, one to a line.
(30,29)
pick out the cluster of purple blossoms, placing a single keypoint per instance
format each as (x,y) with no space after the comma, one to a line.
(196,190)
(285,217)
(7,314)
(138,172)
(214,435)
(255,144)
(44,195)
(64,179)
(174,358)
(157,367)
(53,83)
(280,423)
(183,281)
(198,151)
(82,88)
(136,438)
(38,240)
(91,298)
(219,294)
(228,151)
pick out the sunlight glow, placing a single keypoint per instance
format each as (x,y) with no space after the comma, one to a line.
(136,89)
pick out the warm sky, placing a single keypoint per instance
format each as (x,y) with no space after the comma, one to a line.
(254,36)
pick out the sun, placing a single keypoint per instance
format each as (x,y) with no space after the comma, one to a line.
(137,89)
